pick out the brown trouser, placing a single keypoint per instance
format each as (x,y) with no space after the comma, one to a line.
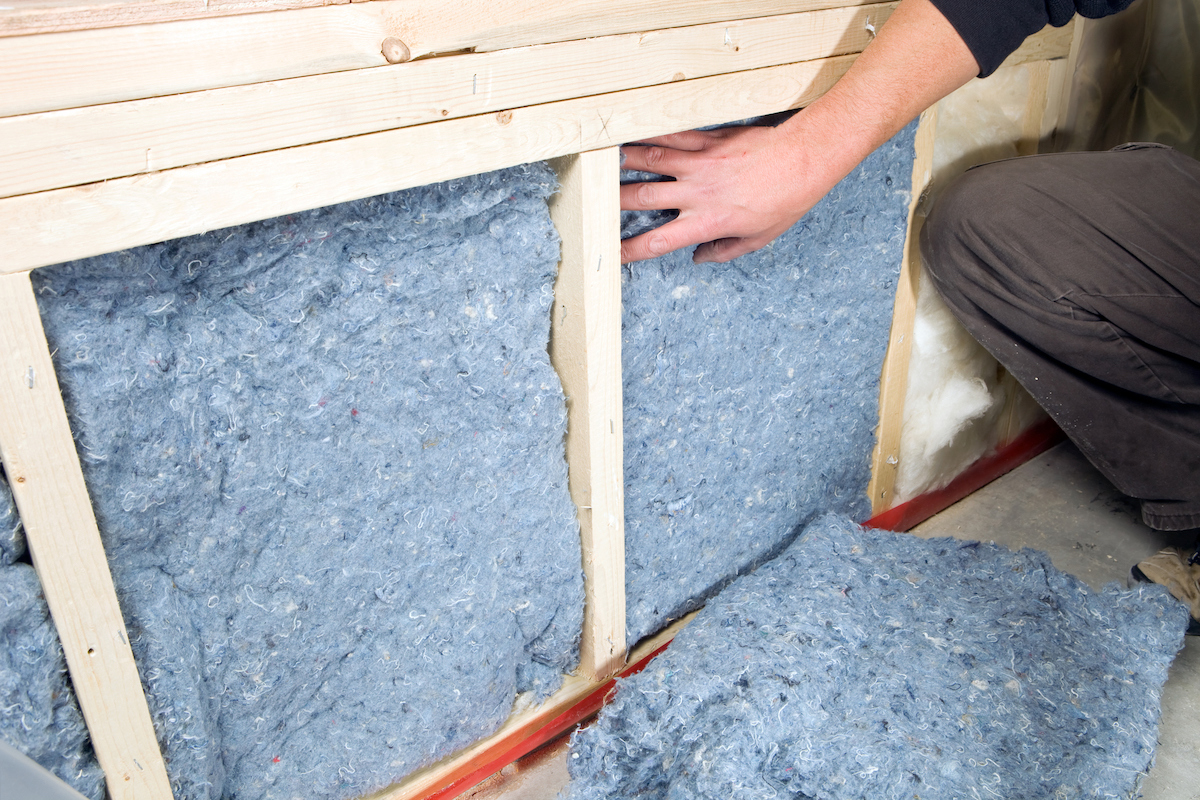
(1080,273)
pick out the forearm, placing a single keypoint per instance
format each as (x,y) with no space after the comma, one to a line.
(917,59)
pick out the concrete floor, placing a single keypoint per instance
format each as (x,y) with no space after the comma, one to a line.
(1057,503)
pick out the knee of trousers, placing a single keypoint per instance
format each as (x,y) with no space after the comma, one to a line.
(964,227)
(1073,225)
(991,242)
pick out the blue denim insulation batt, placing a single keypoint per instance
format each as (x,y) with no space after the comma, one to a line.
(326,456)
(39,715)
(12,534)
(752,389)
(862,663)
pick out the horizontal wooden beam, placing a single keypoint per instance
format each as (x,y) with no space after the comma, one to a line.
(485,25)
(87,67)
(43,471)
(76,146)
(481,24)
(80,68)
(65,224)
(55,16)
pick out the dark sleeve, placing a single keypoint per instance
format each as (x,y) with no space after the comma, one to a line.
(994,28)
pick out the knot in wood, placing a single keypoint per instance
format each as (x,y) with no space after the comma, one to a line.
(395,51)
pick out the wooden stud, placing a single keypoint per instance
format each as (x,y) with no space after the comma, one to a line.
(87,67)
(893,382)
(585,348)
(43,471)
(1064,96)
(1032,123)
(1049,89)
(83,145)
(1058,91)
(64,224)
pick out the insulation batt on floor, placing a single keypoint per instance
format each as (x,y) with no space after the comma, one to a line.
(863,663)
(38,712)
(326,456)
(751,389)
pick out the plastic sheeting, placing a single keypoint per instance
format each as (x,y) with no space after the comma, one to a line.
(1137,79)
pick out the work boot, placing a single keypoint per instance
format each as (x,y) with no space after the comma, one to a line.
(1180,574)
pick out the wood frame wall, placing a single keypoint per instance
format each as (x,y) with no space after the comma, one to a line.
(124,123)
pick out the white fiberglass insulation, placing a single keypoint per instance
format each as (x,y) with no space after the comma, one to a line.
(960,403)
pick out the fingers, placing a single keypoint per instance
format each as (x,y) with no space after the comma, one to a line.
(724,250)
(650,245)
(667,155)
(686,140)
(653,196)
(656,243)
(660,160)
(718,191)
(679,232)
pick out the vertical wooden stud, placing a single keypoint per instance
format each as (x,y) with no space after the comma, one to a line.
(893,382)
(1058,93)
(585,348)
(1049,89)
(1037,108)
(43,470)
(1064,97)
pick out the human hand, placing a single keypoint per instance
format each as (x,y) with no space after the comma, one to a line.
(736,189)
